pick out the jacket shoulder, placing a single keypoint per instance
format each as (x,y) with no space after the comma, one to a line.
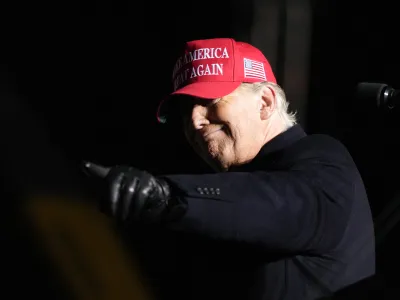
(322,145)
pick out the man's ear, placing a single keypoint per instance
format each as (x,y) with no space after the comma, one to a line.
(267,103)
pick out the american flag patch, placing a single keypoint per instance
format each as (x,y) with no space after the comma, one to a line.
(254,69)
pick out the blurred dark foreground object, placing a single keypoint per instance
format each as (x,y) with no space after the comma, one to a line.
(58,245)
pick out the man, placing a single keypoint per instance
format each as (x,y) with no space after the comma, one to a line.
(285,216)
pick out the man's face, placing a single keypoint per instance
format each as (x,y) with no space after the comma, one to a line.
(225,131)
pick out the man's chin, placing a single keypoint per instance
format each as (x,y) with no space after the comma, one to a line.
(215,164)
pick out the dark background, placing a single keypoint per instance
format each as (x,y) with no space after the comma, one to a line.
(82,80)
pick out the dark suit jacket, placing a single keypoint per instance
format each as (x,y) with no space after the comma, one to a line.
(295,223)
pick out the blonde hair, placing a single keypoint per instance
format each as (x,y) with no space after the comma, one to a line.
(288,117)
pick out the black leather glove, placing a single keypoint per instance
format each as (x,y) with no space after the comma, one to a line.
(136,195)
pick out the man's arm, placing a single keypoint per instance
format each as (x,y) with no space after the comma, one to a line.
(285,211)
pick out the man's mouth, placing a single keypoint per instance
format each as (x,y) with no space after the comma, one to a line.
(204,132)
(211,132)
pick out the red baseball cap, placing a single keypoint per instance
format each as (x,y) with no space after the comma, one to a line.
(213,68)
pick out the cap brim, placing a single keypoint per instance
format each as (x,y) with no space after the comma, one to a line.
(205,90)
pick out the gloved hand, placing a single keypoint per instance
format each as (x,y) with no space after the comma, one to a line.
(136,195)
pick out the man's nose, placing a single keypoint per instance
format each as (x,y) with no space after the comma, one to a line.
(199,117)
